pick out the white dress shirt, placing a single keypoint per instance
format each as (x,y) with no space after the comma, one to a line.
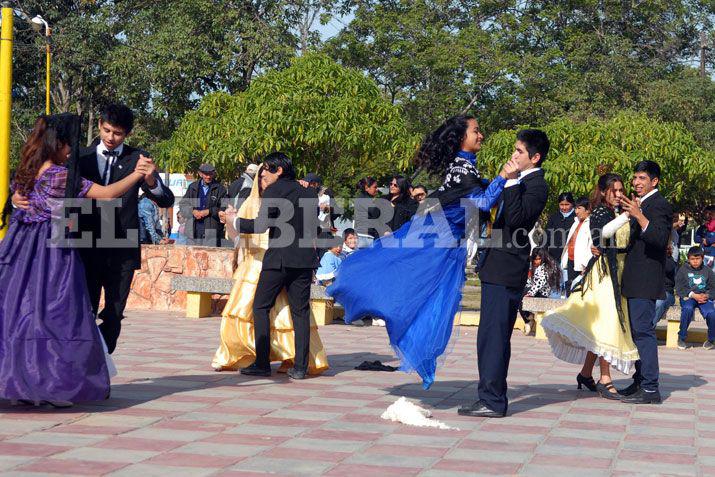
(102,162)
(513,182)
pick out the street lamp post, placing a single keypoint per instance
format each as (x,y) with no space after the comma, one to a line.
(5,101)
(37,23)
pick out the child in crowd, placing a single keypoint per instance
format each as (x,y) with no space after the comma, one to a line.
(695,284)
(329,263)
(349,243)
(544,280)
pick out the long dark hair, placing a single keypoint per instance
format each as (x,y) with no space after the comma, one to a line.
(553,273)
(49,135)
(443,144)
(364,183)
(605,182)
(403,185)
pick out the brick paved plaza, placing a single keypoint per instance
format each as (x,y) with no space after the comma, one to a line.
(170,414)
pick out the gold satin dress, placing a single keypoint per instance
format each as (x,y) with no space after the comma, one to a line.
(237,348)
(589,320)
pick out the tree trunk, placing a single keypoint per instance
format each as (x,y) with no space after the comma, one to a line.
(90,124)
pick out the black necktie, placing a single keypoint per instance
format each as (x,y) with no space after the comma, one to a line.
(109,155)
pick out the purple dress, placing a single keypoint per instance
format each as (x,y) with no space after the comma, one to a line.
(50,347)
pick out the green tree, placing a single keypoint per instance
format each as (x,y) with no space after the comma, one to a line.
(581,151)
(330,119)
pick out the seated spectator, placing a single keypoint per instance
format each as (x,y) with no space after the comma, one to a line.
(662,306)
(419,193)
(695,284)
(350,241)
(543,281)
(329,263)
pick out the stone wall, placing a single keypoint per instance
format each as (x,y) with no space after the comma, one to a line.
(151,288)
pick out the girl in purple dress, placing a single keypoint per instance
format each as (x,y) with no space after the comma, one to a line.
(50,347)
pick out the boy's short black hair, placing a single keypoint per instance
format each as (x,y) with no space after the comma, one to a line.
(536,141)
(649,167)
(348,232)
(275,160)
(584,202)
(118,115)
(695,252)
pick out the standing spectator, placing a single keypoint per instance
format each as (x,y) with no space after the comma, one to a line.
(577,253)
(365,210)
(402,202)
(662,305)
(350,241)
(705,236)
(559,224)
(149,223)
(241,187)
(678,224)
(201,206)
(419,193)
(324,201)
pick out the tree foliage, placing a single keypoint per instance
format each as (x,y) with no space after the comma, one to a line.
(581,151)
(329,119)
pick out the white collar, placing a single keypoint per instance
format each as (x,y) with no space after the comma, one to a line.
(528,171)
(648,195)
(101,148)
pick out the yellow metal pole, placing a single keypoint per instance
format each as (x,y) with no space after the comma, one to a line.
(5,101)
(47,76)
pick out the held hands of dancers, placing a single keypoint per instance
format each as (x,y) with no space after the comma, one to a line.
(632,207)
(510,170)
(146,168)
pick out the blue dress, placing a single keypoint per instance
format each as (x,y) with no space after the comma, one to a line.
(413,279)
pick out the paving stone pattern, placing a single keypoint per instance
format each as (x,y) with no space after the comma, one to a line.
(170,414)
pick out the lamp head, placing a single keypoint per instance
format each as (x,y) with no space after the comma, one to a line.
(38,22)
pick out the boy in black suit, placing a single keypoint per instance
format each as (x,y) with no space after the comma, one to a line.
(289,261)
(644,276)
(113,251)
(505,269)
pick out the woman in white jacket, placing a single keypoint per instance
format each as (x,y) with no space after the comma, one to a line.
(577,252)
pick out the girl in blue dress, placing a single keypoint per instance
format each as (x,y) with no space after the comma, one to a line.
(413,278)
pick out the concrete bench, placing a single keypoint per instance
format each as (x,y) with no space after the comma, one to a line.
(696,332)
(199,291)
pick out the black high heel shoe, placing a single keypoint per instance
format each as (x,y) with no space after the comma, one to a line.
(605,391)
(584,381)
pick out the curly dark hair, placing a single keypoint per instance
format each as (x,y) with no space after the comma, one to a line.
(442,145)
(553,272)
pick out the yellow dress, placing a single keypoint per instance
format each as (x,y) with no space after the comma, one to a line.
(589,320)
(237,348)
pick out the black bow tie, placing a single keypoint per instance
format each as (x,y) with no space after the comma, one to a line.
(109,154)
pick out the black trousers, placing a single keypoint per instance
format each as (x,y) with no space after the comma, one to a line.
(297,283)
(116,280)
(498,315)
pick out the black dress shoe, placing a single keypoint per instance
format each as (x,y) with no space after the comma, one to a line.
(254,370)
(642,397)
(296,374)
(478,409)
(632,389)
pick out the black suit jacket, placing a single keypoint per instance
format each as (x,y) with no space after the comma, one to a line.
(304,222)
(507,261)
(644,268)
(125,255)
(557,229)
